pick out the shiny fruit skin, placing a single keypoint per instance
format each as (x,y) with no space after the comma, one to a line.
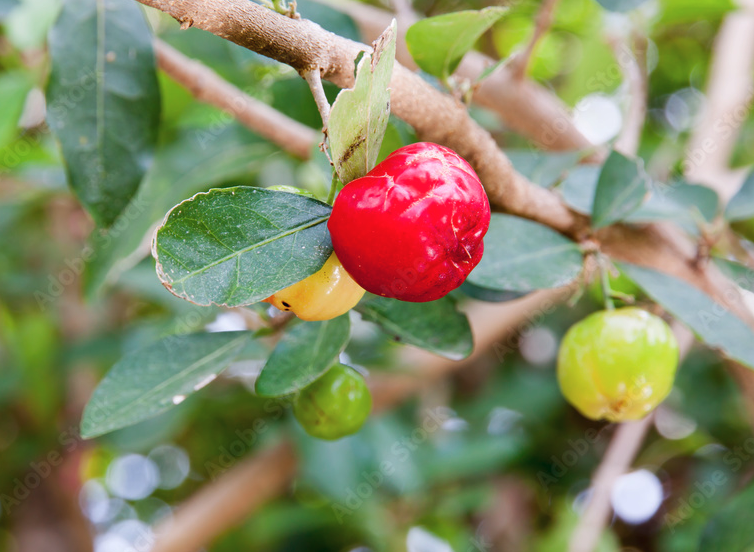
(618,364)
(324,295)
(412,228)
(335,405)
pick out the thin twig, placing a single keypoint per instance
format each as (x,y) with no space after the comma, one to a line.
(207,86)
(729,97)
(634,66)
(545,16)
(620,454)
(313,79)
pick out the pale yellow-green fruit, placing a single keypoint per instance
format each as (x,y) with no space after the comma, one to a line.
(617,365)
(325,294)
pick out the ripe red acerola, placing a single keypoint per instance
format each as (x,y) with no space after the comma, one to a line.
(412,228)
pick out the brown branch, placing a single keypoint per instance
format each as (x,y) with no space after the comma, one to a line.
(729,97)
(620,454)
(523,105)
(439,118)
(543,22)
(634,67)
(435,116)
(207,86)
(245,487)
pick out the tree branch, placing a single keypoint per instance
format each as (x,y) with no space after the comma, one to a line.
(620,454)
(207,86)
(523,105)
(729,97)
(633,63)
(543,23)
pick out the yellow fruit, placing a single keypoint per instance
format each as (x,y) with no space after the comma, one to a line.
(322,296)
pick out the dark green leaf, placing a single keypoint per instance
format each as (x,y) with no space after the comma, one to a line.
(335,21)
(359,116)
(709,320)
(302,355)
(741,207)
(687,205)
(741,275)
(621,5)
(436,326)
(489,295)
(522,256)
(195,162)
(577,189)
(153,379)
(542,168)
(621,188)
(237,246)
(438,43)
(103,101)
(730,529)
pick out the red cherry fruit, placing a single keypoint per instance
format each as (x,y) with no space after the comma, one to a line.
(412,228)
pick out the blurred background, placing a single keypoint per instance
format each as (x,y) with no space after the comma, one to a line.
(490,458)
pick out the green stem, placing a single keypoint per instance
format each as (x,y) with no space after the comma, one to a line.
(333,188)
(606,291)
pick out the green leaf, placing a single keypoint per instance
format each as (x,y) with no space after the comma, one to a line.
(14,88)
(730,528)
(542,168)
(577,189)
(741,207)
(195,162)
(436,326)
(302,355)
(237,246)
(740,274)
(359,116)
(103,101)
(439,43)
(687,205)
(621,188)
(489,295)
(522,256)
(151,380)
(620,5)
(709,320)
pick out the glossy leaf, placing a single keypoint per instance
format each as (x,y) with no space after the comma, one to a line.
(302,355)
(359,116)
(577,189)
(151,380)
(439,43)
(195,162)
(621,188)
(741,275)
(489,295)
(237,246)
(522,256)
(741,207)
(436,326)
(621,5)
(103,101)
(688,205)
(544,169)
(730,528)
(712,322)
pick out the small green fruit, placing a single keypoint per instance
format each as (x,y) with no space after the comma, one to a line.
(617,365)
(335,405)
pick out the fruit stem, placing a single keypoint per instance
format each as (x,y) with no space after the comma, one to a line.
(605,280)
(333,188)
